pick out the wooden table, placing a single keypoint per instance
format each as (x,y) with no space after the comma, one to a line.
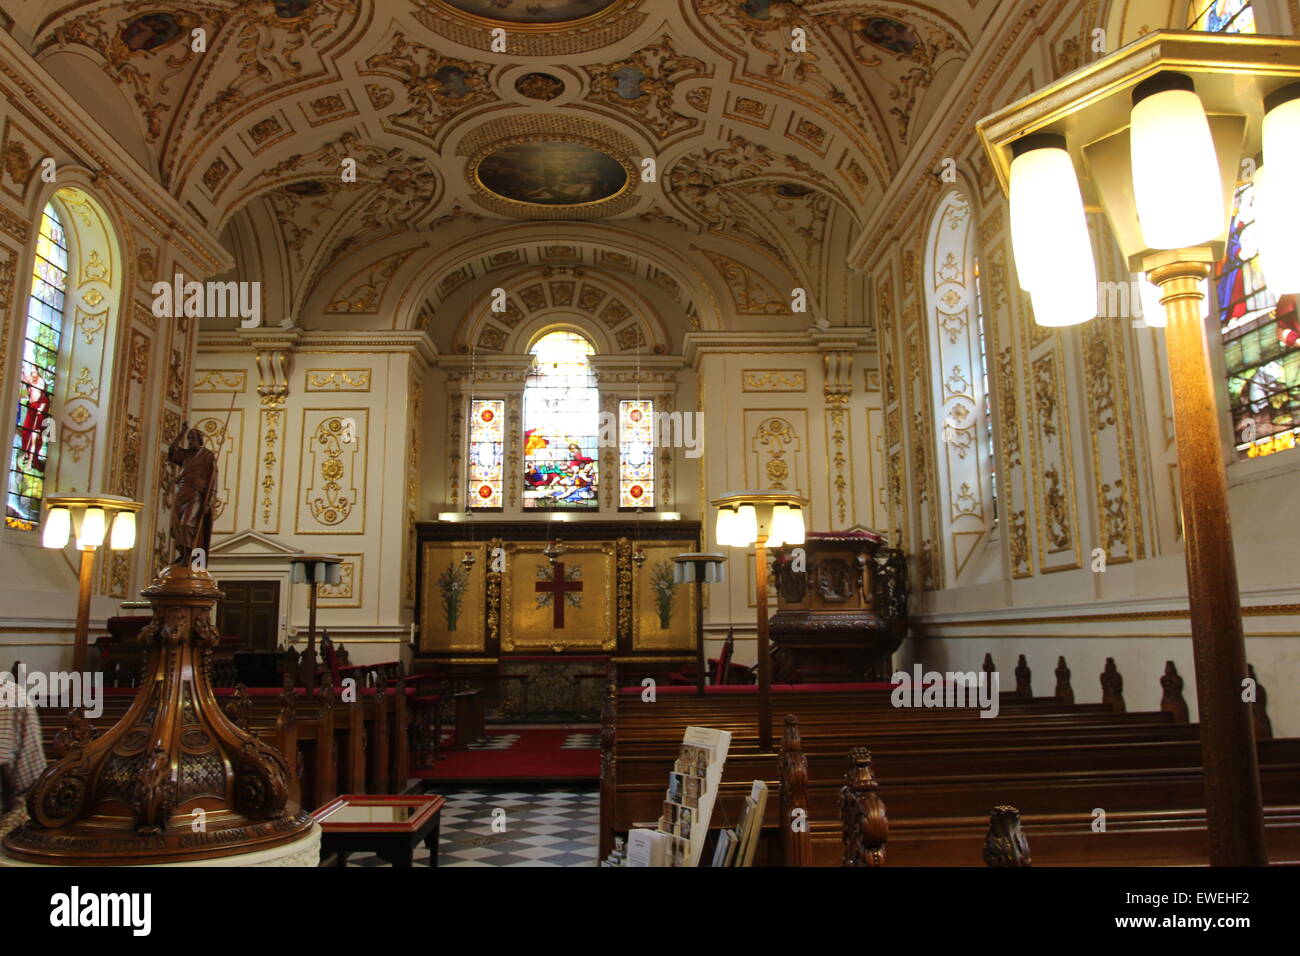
(390,826)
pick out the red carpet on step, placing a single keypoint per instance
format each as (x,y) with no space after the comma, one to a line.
(536,755)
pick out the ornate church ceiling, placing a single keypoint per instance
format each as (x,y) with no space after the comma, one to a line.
(766,161)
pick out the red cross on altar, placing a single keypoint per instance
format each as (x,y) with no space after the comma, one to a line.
(557,589)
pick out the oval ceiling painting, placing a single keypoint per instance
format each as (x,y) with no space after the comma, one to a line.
(551,174)
(532,11)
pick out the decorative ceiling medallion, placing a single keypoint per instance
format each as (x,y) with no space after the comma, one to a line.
(550,173)
(539,86)
(534,12)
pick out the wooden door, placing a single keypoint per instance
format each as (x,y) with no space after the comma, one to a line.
(251,611)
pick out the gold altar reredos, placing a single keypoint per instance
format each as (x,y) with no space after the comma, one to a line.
(175,779)
(492,603)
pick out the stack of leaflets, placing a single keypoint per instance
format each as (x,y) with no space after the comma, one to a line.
(737,845)
(693,784)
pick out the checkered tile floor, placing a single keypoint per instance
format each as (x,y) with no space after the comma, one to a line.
(545,827)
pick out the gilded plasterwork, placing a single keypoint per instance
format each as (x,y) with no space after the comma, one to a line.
(332,499)
(219,380)
(338,380)
(347,593)
(777,458)
(363,291)
(1054,495)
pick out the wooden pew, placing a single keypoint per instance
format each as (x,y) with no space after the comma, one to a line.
(1045,747)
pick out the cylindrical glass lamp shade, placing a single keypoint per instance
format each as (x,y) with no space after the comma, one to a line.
(58,528)
(786,526)
(724,529)
(1049,232)
(1153,312)
(1277,198)
(1056,308)
(123,536)
(745,529)
(704,572)
(93,526)
(1175,169)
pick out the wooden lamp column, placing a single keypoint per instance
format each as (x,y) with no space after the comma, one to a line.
(762,519)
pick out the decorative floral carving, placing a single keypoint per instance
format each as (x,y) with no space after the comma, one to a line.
(333,507)
(643,85)
(437,86)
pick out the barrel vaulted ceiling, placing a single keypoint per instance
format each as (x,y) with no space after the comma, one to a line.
(520,169)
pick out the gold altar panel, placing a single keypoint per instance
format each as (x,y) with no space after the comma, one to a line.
(452,612)
(663,617)
(527,615)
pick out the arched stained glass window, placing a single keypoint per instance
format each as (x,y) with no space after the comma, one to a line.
(27,458)
(561,424)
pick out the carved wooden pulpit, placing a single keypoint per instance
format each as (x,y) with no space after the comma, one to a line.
(841,608)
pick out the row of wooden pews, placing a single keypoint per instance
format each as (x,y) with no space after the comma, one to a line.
(1094,784)
(334,742)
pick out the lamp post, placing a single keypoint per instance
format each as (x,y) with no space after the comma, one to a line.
(764,519)
(699,568)
(94,519)
(315,570)
(1154,134)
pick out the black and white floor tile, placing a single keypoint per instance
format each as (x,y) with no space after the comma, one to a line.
(544,827)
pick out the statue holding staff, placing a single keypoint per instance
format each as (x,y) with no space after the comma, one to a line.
(191,524)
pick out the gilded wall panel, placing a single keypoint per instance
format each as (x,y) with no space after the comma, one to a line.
(455,597)
(777,454)
(332,480)
(582,582)
(1054,495)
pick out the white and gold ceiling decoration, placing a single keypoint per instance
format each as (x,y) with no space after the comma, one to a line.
(767,161)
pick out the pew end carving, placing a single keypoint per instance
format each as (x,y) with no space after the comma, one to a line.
(862,813)
(796,841)
(1005,844)
(1112,687)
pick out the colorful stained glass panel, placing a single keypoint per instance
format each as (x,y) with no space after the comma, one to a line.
(1261,342)
(486,452)
(1222,16)
(33,435)
(636,447)
(561,423)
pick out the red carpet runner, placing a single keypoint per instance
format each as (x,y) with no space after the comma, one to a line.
(523,753)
